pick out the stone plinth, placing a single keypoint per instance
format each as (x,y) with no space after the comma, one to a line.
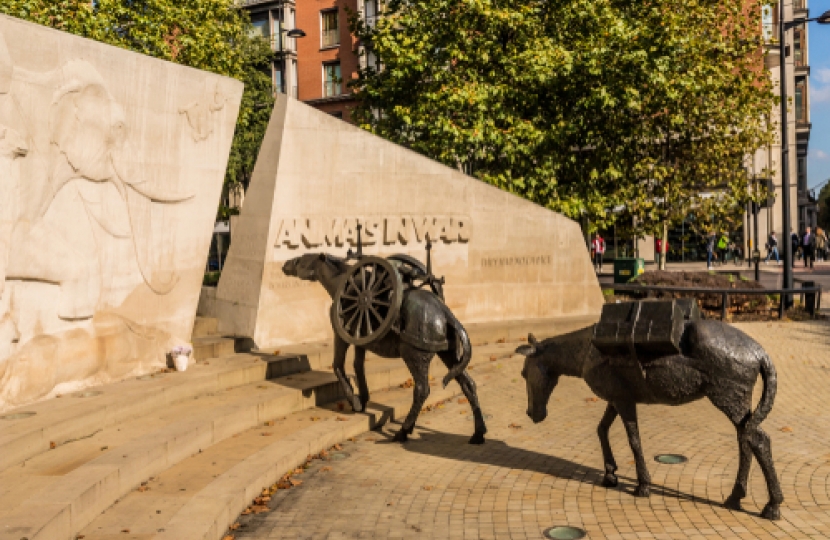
(504,258)
(111,167)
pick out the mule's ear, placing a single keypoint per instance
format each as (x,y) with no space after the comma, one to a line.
(532,339)
(323,257)
(526,350)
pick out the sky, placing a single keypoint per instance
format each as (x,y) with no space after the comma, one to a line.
(818,157)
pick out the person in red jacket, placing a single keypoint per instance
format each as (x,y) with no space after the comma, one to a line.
(597,251)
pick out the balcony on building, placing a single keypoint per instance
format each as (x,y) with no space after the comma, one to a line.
(801,107)
(800,10)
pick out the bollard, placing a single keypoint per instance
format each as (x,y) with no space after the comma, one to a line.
(809,299)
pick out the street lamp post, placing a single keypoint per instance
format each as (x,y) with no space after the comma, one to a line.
(786,233)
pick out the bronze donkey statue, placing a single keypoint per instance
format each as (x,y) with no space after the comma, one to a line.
(716,361)
(422,314)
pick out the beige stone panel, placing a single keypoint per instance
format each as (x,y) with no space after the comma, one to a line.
(114,164)
(325,173)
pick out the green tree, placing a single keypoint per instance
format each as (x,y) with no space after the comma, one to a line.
(213,35)
(586,107)
(824,206)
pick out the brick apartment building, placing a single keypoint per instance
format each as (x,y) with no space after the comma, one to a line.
(315,68)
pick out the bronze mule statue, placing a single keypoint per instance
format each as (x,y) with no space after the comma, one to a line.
(427,326)
(716,361)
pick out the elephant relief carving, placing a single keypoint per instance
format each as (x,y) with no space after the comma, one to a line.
(66,149)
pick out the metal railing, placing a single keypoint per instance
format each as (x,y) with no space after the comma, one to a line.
(812,307)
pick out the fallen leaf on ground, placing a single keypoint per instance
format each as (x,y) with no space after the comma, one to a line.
(493,358)
(409,383)
(462,401)
(341,406)
(515,426)
(259,508)
(294,482)
(325,469)
(337,447)
(341,419)
(591,399)
(427,488)
(266,433)
(125,530)
(234,526)
(787,429)
(315,418)
(269,423)
(501,340)
(104,448)
(52,445)
(142,489)
(228,537)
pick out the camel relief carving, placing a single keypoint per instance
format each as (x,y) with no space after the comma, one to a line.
(69,180)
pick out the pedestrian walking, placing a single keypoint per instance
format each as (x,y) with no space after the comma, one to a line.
(710,249)
(772,248)
(794,242)
(808,246)
(598,250)
(723,247)
(658,249)
(821,244)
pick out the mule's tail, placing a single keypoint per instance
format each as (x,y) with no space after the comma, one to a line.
(767,397)
(466,350)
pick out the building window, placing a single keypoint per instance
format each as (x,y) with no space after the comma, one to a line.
(259,25)
(331,31)
(331,80)
(799,46)
(802,174)
(769,22)
(371,12)
(337,114)
(801,100)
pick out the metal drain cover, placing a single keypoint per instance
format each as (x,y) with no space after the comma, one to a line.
(18,416)
(564,532)
(670,459)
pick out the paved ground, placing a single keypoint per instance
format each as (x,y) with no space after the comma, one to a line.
(529,477)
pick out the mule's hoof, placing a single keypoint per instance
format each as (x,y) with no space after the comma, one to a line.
(610,481)
(357,405)
(477,438)
(772,512)
(642,491)
(733,503)
(400,436)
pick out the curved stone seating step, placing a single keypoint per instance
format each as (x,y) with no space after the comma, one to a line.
(209,347)
(205,326)
(58,421)
(74,483)
(202,496)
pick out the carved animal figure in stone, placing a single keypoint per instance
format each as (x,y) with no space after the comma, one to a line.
(717,361)
(419,308)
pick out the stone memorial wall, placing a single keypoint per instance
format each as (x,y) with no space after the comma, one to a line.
(317,177)
(111,168)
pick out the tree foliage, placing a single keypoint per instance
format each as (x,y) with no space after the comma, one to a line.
(644,107)
(212,35)
(824,206)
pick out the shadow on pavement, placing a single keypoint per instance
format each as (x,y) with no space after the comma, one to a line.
(500,454)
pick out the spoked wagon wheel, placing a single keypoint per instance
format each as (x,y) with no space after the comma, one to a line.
(367,303)
(417,269)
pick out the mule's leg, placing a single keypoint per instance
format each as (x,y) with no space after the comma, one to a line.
(360,375)
(610,479)
(738,412)
(418,363)
(628,413)
(468,386)
(339,364)
(762,448)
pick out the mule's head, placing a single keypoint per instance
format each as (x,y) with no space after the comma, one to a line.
(314,267)
(540,379)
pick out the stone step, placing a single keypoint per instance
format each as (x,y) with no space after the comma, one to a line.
(205,326)
(206,348)
(201,496)
(75,416)
(56,494)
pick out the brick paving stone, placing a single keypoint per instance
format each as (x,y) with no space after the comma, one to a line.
(526,479)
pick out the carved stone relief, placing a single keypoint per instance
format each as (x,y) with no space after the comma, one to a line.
(78,208)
